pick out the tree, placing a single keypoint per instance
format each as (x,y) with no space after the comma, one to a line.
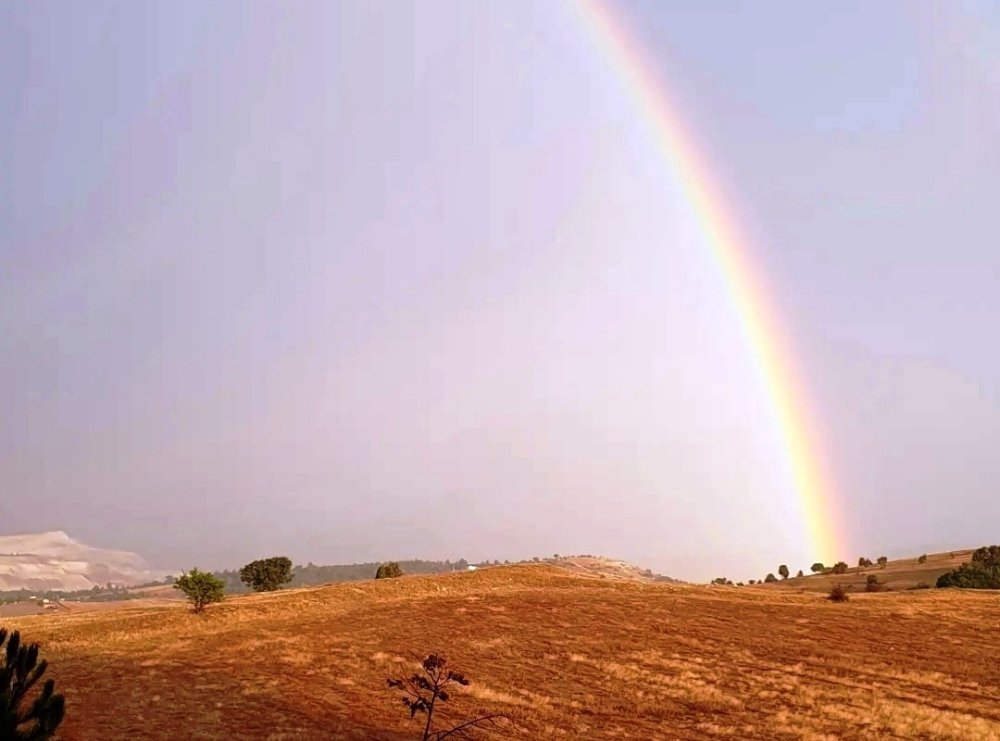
(770,578)
(267,574)
(872,585)
(863,562)
(19,673)
(388,571)
(840,568)
(817,568)
(982,572)
(201,588)
(783,571)
(800,574)
(922,559)
(423,690)
(882,561)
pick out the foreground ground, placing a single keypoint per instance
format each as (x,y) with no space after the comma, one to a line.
(567,655)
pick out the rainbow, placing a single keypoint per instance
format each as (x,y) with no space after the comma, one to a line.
(758,316)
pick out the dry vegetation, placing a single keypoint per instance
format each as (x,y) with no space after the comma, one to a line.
(569,656)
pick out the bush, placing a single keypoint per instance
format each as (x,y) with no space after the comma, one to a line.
(864,562)
(838,593)
(982,572)
(872,585)
(267,574)
(388,571)
(817,568)
(432,685)
(840,568)
(922,559)
(800,574)
(770,578)
(882,561)
(201,588)
(20,671)
(783,571)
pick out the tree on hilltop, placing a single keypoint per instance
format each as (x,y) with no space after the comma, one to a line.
(817,568)
(981,572)
(882,561)
(201,588)
(800,574)
(783,571)
(388,571)
(770,578)
(267,574)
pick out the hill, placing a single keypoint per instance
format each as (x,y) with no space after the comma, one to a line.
(902,573)
(55,561)
(569,655)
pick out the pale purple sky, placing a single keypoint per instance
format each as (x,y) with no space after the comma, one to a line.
(368,281)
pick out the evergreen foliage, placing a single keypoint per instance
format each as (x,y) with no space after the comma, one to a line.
(21,720)
(201,588)
(982,572)
(267,574)
(783,571)
(388,571)
(840,568)
(817,568)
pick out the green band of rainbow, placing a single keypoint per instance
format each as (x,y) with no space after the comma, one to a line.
(744,283)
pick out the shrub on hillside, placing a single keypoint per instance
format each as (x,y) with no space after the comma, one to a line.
(817,568)
(201,588)
(864,562)
(20,672)
(872,585)
(981,572)
(882,561)
(783,571)
(267,574)
(770,578)
(388,571)
(922,559)
(840,568)
(800,574)
(432,686)
(838,593)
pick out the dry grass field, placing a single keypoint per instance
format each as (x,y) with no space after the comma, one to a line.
(568,655)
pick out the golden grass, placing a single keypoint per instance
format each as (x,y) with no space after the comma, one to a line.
(568,656)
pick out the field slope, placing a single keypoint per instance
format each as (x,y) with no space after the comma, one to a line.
(569,655)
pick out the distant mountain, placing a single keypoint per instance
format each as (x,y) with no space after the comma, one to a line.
(54,561)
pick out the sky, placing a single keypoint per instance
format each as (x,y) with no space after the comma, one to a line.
(362,281)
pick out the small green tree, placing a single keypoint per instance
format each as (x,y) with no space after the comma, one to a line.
(770,578)
(800,574)
(388,571)
(201,588)
(882,561)
(864,562)
(817,568)
(20,671)
(840,568)
(783,571)
(982,572)
(267,574)
(431,686)
(922,559)
(871,584)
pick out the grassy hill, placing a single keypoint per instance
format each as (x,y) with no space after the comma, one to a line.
(569,655)
(900,574)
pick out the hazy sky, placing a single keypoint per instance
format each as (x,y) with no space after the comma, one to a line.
(373,280)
